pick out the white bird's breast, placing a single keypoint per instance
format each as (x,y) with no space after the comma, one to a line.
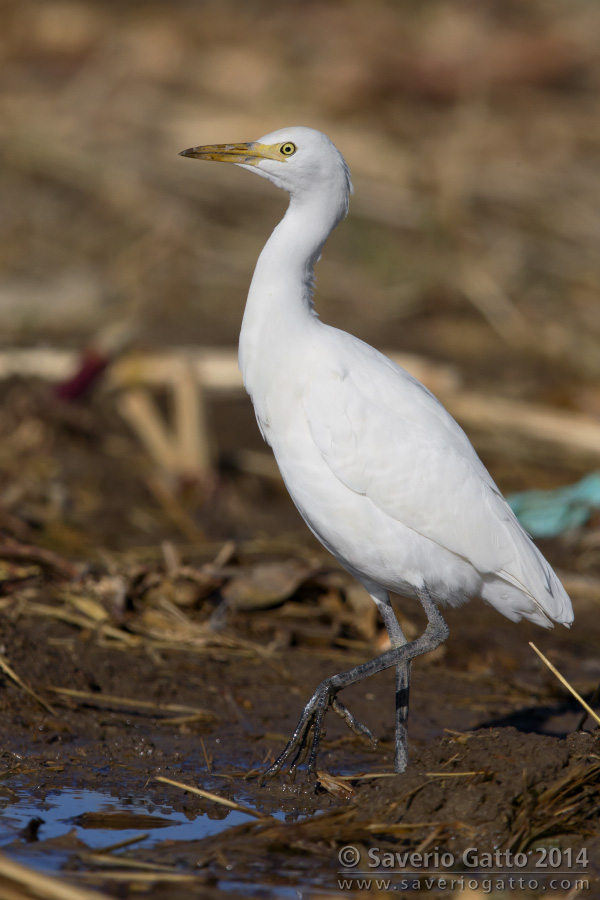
(387,480)
(375,546)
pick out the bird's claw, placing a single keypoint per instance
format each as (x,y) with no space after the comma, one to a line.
(311,720)
(352,722)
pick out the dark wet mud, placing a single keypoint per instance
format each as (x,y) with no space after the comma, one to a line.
(132,672)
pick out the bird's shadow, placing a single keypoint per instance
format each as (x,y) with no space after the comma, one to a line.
(539,719)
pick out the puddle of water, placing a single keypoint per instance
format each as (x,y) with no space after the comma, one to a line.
(60,811)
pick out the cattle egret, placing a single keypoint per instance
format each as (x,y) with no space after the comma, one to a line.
(382,475)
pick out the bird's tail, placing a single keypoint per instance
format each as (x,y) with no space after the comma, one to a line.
(532,592)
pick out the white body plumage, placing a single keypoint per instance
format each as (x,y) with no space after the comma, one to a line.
(380,472)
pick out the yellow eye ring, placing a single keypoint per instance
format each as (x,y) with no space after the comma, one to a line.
(288,149)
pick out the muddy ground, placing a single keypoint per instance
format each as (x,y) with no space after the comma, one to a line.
(146,659)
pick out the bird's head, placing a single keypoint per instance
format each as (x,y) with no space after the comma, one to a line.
(302,161)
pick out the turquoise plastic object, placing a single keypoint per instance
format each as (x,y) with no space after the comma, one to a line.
(550,513)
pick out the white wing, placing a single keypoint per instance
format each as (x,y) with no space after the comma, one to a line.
(384,435)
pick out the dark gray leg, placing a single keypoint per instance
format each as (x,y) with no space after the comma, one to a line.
(398,639)
(311,719)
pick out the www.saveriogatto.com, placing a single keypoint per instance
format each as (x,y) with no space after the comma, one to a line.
(539,869)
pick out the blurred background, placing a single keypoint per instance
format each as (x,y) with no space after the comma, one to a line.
(472,130)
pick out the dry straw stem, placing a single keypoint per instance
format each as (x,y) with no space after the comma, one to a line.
(366,776)
(563,807)
(81,621)
(140,412)
(18,681)
(183,447)
(455,774)
(573,430)
(20,883)
(91,699)
(215,798)
(122,862)
(207,758)
(132,876)
(401,827)
(120,845)
(564,681)
(191,421)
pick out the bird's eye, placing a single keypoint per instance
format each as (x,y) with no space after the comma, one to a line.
(287,149)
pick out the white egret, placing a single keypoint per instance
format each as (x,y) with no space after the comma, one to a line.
(380,472)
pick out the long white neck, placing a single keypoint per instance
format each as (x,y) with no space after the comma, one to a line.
(279,302)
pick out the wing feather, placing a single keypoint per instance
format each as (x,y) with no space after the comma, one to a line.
(384,435)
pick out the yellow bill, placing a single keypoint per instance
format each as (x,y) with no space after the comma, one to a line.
(249,154)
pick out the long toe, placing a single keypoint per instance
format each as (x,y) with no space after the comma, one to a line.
(310,720)
(352,722)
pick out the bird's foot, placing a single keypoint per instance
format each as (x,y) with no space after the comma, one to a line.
(311,723)
(353,724)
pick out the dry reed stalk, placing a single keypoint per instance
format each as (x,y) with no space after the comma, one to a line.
(401,827)
(455,774)
(88,607)
(216,647)
(183,449)
(562,428)
(27,884)
(191,422)
(564,681)
(366,776)
(134,877)
(207,758)
(63,615)
(20,683)
(563,807)
(120,845)
(122,862)
(140,412)
(93,699)
(215,798)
